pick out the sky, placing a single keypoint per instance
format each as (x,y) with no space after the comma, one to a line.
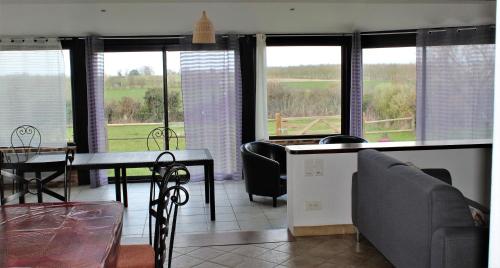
(124,62)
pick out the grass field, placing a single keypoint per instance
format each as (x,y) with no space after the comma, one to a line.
(116,94)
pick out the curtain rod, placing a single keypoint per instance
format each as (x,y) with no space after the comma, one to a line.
(166,37)
(307,35)
(413,31)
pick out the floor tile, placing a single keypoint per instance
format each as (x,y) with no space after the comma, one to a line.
(185,261)
(249,250)
(274,256)
(209,265)
(304,262)
(206,253)
(229,259)
(255,263)
(223,226)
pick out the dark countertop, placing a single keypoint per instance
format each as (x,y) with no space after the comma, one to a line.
(388,146)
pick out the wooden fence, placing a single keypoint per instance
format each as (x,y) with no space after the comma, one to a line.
(282,124)
(410,120)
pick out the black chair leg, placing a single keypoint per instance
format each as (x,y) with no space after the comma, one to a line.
(275,201)
(251,197)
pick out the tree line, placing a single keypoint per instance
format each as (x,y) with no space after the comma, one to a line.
(389,92)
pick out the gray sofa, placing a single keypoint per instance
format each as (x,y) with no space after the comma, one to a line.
(412,218)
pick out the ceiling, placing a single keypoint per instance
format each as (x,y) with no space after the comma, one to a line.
(171,17)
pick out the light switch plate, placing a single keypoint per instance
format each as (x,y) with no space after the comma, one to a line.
(309,168)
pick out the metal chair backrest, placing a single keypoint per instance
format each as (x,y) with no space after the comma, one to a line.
(342,139)
(167,178)
(156,139)
(25,140)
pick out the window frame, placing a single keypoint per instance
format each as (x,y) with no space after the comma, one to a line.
(388,39)
(345,43)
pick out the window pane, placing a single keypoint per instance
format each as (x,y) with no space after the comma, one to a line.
(133,99)
(304,90)
(69,104)
(175,104)
(389,94)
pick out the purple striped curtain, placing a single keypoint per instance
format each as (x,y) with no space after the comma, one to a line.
(94,49)
(211,91)
(356,86)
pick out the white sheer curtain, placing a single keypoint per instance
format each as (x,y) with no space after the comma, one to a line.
(32,89)
(211,93)
(455,75)
(261,132)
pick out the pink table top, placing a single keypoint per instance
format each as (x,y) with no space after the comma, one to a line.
(60,234)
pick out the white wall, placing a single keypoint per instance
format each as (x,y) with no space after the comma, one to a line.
(469,168)
(246,17)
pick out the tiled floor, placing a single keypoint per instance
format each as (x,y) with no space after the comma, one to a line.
(234,211)
(323,251)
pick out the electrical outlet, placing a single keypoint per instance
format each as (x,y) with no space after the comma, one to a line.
(318,167)
(313,205)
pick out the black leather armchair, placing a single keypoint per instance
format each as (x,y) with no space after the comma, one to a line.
(342,139)
(264,169)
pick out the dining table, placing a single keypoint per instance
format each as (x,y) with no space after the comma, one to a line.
(120,162)
(78,234)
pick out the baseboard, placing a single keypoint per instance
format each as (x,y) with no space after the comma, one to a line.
(324,230)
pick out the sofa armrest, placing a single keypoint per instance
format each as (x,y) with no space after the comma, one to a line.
(457,247)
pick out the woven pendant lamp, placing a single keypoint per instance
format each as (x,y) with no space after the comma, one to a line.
(204,32)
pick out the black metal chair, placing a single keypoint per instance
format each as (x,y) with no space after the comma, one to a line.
(166,195)
(264,169)
(25,141)
(342,139)
(16,181)
(156,139)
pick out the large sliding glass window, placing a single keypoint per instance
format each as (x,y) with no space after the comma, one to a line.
(133,98)
(175,102)
(389,94)
(304,86)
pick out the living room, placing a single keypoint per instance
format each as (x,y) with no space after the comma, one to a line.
(256,99)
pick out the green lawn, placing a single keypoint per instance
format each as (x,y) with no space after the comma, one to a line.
(116,94)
